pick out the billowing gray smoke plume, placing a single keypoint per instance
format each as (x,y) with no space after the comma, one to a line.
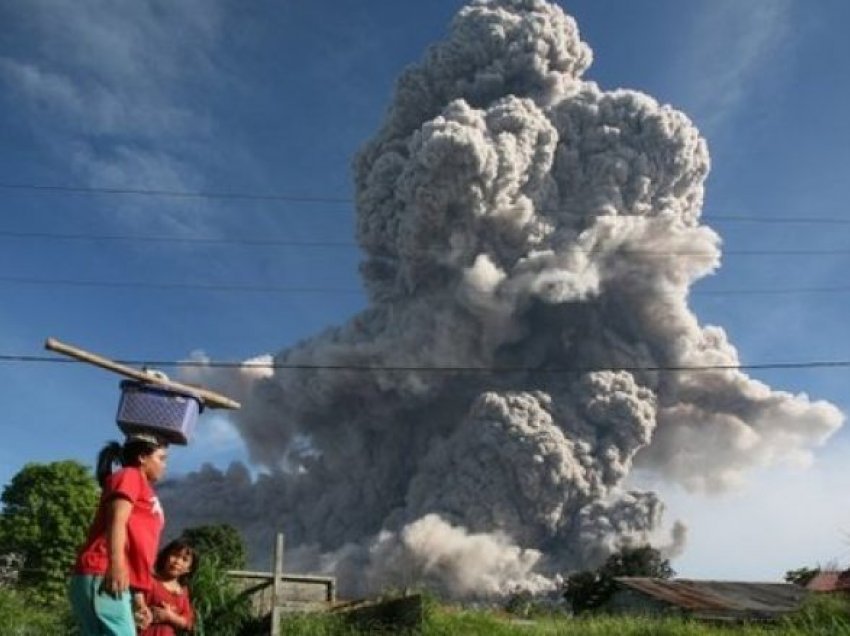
(512,216)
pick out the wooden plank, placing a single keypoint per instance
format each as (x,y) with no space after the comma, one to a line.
(391,616)
(210,398)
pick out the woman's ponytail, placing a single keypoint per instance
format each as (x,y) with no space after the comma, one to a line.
(106,458)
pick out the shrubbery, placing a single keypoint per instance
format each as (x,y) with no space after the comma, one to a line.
(23,615)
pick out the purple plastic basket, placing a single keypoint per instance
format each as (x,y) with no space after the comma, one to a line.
(147,408)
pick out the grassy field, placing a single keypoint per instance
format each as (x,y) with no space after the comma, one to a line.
(820,617)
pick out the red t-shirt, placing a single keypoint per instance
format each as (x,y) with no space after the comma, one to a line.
(158,596)
(143,529)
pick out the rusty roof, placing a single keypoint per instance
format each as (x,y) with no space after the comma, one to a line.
(830,581)
(720,597)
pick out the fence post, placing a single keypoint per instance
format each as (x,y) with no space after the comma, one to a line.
(277,586)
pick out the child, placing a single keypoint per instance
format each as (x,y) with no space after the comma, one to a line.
(168,598)
(117,557)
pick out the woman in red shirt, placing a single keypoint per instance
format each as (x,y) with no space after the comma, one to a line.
(113,569)
(168,598)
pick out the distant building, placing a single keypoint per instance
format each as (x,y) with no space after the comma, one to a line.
(830,581)
(705,600)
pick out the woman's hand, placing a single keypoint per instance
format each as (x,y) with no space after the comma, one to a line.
(116,580)
(141,612)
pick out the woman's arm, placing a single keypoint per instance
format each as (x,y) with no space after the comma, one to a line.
(117,579)
(141,612)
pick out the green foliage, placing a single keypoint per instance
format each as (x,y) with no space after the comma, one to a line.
(590,589)
(221,609)
(587,590)
(221,542)
(47,509)
(820,616)
(520,604)
(22,615)
(801,576)
(637,561)
(316,625)
(525,605)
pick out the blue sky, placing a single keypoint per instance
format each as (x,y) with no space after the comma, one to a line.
(275,98)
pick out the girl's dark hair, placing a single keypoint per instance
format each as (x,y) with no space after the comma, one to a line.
(126,455)
(178,545)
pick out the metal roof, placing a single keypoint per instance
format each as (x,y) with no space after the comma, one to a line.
(720,597)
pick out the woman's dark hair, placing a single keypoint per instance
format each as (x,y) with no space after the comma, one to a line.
(178,545)
(126,455)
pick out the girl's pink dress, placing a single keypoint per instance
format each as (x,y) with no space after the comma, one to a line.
(159,595)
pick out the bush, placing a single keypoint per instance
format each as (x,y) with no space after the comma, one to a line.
(46,511)
(221,541)
(22,615)
(221,609)
(590,589)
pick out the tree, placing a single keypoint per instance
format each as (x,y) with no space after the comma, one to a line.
(637,561)
(590,589)
(221,542)
(801,576)
(46,511)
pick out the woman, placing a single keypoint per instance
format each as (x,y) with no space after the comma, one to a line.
(113,569)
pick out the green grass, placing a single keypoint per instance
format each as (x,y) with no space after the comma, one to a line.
(22,615)
(821,616)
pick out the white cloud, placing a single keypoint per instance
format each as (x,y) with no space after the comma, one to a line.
(783,518)
(112,90)
(732,43)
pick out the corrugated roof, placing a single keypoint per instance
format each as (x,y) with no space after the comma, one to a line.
(718,597)
(830,581)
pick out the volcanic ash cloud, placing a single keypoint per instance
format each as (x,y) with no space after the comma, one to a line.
(511,215)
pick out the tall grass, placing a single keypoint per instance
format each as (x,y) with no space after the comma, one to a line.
(819,617)
(22,615)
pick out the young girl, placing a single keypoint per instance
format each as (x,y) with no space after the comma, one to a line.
(113,568)
(168,598)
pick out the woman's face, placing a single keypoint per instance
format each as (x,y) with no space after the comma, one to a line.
(153,465)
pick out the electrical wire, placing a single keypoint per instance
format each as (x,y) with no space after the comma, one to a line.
(181,286)
(812,364)
(254,242)
(15,280)
(175,239)
(182,194)
(296,198)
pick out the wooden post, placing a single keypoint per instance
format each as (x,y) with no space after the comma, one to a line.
(277,585)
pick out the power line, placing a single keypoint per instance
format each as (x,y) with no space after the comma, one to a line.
(176,239)
(767,291)
(180,194)
(254,242)
(14,280)
(179,286)
(811,364)
(824,220)
(297,198)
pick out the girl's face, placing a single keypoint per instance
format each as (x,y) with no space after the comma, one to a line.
(178,563)
(153,465)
